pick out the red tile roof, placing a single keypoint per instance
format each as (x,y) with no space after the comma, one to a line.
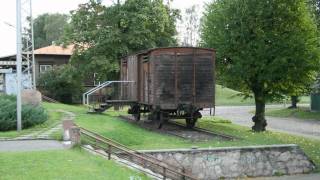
(55,50)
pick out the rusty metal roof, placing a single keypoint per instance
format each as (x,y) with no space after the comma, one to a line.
(55,50)
(166,48)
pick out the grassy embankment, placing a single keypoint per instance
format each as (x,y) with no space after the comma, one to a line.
(230,97)
(224,97)
(72,164)
(302,113)
(54,118)
(109,125)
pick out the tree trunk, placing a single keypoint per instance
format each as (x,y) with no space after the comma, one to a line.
(294,101)
(259,120)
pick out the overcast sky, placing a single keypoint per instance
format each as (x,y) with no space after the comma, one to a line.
(8,16)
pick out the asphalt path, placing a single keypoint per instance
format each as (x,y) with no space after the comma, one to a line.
(31,145)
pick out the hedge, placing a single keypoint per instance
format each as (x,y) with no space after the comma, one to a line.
(31,115)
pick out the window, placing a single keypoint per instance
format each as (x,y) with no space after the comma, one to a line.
(44,68)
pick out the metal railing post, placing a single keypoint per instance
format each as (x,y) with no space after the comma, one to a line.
(164,173)
(109,151)
(95,143)
(83,99)
(183,171)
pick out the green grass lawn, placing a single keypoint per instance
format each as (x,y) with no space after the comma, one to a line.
(54,118)
(300,113)
(305,100)
(229,97)
(75,164)
(109,125)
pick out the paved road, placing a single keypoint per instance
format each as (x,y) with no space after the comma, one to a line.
(241,115)
(30,145)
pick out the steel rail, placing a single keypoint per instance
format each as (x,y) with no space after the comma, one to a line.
(205,131)
(228,137)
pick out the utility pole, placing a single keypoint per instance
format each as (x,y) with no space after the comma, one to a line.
(19,62)
(25,51)
(34,86)
(28,41)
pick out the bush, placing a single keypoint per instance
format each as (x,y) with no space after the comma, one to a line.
(31,115)
(62,83)
(316,86)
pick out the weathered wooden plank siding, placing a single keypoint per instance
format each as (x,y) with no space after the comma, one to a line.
(172,76)
(205,81)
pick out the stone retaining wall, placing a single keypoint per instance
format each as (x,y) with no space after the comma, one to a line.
(238,161)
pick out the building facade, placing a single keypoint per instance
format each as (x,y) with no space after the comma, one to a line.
(45,58)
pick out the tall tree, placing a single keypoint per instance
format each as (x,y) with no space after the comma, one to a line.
(191,23)
(314,6)
(268,48)
(49,28)
(104,34)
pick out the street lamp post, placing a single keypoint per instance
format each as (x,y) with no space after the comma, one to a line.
(19,62)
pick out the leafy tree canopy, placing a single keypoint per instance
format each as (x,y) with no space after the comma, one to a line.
(315,8)
(49,28)
(62,83)
(104,34)
(270,48)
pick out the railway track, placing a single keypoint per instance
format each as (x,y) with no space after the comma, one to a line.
(179,130)
(225,136)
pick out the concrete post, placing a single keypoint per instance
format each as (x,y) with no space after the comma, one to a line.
(67,125)
(75,136)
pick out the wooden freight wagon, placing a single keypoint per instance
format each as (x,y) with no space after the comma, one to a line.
(168,83)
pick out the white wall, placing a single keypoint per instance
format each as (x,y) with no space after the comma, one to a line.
(11,83)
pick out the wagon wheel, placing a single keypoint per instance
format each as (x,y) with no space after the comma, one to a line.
(136,116)
(161,119)
(191,121)
(153,116)
(136,112)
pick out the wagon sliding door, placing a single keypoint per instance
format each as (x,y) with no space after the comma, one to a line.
(144,78)
(195,78)
(132,75)
(185,77)
(204,84)
(163,76)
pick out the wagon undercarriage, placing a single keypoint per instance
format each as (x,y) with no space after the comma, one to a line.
(188,112)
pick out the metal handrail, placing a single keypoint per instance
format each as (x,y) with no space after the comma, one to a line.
(123,146)
(128,164)
(136,154)
(85,96)
(93,90)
